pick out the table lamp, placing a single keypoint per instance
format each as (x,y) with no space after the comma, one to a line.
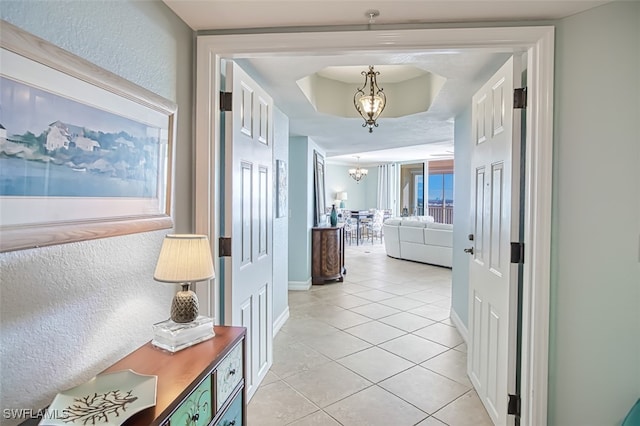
(342,196)
(184,259)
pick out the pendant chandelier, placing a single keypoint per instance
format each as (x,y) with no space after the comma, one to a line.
(358,174)
(370,105)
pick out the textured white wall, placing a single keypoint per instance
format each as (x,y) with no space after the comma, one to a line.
(69,311)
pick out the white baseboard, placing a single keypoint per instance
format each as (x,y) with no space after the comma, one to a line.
(279,322)
(464,332)
(300,285)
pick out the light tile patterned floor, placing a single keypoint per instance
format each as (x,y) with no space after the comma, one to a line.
(378,349)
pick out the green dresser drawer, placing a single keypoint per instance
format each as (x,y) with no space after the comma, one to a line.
(233,415)
(196,409)
(228,375)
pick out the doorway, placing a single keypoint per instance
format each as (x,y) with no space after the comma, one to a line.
(537,41)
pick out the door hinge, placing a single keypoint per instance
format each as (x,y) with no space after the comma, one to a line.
(224,247)
(513,405)
(517,252)
(225,101)
(520,98)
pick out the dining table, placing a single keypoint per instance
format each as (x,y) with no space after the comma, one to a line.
(359,215)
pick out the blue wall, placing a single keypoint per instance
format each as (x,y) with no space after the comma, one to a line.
(301,204)
(280,225)
(461,218)
(595,278)
(362,196)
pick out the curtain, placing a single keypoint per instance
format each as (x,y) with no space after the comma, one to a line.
(388,181)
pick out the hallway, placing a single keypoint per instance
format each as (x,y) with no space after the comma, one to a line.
(378,349)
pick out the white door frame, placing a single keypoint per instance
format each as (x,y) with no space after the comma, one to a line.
(538,41)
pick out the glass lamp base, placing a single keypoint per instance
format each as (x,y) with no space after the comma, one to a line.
(173,337)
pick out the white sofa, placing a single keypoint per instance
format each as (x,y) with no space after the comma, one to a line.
(419,239)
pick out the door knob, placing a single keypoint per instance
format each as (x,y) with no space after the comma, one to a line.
(469,250)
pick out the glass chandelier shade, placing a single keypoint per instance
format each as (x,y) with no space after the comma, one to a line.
(370,105)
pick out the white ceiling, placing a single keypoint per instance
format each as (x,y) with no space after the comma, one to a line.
(417,137)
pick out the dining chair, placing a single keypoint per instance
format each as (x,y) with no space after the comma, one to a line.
(374,227)
(349,225)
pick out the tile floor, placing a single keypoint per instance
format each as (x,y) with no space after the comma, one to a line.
(378,349)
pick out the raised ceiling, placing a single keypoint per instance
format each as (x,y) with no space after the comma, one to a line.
(339,136)
(419,136)
(331,90)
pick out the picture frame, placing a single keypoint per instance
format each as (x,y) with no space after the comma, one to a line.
(320,216)
(281,189)
(84,153)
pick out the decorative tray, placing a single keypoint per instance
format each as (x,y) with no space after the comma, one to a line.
(107,399)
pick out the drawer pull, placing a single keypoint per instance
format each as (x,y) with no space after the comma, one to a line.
(232,371)
(232,423)
(195,417)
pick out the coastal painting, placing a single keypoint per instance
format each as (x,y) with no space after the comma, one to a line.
(84,153)
(51,146)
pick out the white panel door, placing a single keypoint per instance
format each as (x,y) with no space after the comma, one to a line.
(495,162)
(248,219)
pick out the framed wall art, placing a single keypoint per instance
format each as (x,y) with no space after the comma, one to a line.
(281,188)
(84,154)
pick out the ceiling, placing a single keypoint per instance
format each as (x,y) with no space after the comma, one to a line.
(421,136)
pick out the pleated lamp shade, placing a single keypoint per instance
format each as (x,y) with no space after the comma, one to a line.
(184,258)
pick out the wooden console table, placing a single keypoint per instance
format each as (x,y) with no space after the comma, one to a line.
(327,254)
(200,385)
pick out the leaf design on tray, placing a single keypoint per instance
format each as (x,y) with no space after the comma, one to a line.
(96,408)
(108,399)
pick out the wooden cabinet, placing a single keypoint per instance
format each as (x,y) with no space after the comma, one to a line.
(327,254)
(204,381)
(201,385)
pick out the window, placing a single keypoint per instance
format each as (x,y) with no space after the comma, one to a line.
(441,197)
(440,189)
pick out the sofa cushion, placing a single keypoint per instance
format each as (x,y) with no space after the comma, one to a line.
(393,221)
(412,234)
(444,226)
(438,237)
